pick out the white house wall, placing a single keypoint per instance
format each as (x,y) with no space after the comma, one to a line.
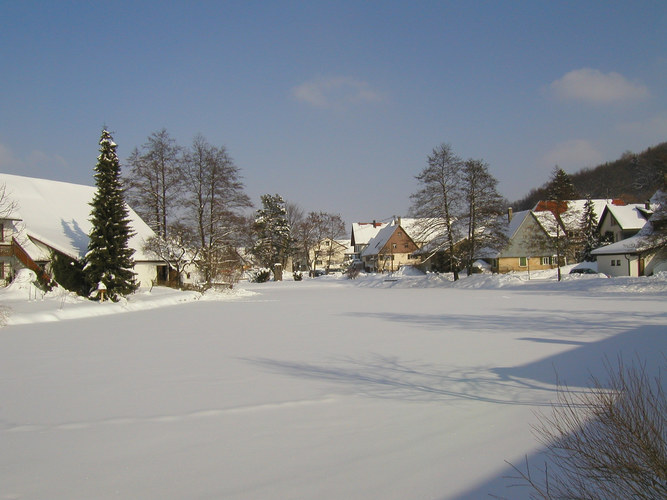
(623,265)
(146,273)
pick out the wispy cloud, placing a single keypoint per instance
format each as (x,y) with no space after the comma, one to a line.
(574,154)
(593,86)
(650,131)
(336,92)
(35,160)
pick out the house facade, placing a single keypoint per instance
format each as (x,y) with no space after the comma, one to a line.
(630,257)
(53,217)
(533,235)
(619,222)
(330,254)
(529,247)
(362,234)
(389,250)
(641,254)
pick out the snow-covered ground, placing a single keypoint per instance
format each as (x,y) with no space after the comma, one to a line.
(385,387)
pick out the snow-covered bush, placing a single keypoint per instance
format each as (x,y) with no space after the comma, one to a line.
(260,276)
(607,442)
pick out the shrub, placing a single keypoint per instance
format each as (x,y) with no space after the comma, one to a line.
(607,442)
(69,274)
(298,276)
(352,272)
(260,276)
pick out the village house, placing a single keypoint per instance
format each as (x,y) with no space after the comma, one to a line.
(330,255)
(50,217)
(619,222)
(362,234)
(391,248)
(532,235)
(638,254)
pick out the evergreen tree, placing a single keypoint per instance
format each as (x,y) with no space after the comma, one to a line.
(274,239)
(109,259)
(590,235)
(560,187)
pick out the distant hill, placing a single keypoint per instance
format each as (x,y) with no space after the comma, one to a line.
(633,178)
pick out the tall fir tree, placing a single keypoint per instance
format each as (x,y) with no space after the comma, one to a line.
(109,258)
(590,236)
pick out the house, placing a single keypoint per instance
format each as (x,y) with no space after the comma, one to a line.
(639,254)
(532,234)
(632,256)
(330,254)
(53,217)
(362,234)
(619,222)
(529,246)
(391,248)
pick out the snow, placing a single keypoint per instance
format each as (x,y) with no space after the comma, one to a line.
(411,387)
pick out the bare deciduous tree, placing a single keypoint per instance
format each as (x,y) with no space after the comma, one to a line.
(440,198)
(214,201)
(154,180)
(485,208)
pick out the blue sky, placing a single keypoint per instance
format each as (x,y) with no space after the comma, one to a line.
(335,105)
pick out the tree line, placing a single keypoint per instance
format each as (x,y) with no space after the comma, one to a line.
(193,198)
(633,178)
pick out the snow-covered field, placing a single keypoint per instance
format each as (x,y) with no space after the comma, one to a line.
(380,388)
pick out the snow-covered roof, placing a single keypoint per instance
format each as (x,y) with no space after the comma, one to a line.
(57,214)
(363,232)
(632,216)
(422,230)
(571,216)
(377,243)
(634,244)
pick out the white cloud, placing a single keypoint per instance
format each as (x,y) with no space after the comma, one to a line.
(593,86)
(335,92)
(573,155)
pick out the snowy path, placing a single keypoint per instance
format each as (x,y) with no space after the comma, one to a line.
(319,389)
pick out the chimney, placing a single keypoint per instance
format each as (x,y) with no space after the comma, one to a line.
(510,214)
(398,221)
(647,205)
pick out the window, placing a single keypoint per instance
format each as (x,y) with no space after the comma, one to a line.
(613,262)
(393,245)
(546,261)
(2,232)
(618,262)
(523,262)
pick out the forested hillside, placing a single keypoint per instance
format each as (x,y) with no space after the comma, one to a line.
(633,178)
